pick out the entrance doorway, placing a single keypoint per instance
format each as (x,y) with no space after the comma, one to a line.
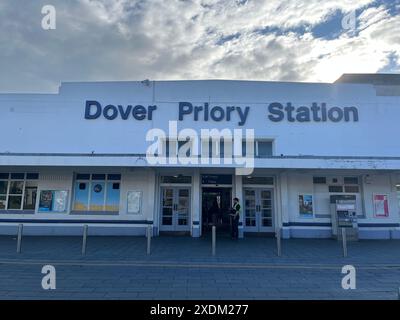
(175,209)
(258,210)
(216,204)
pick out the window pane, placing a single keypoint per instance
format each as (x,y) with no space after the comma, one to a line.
(335,189)
(14,202)
(115,186)
(31,184)
(30,198)
(98,177)
(114,177)
(319,180)
(351,189)
(264,149)
(3,175)
(3,187)
(97,196)
(82,176)
(17,175)
(247,145)
(32,176)
(81,196)
(112,200)
(16,187)
(350,180)
(3,202)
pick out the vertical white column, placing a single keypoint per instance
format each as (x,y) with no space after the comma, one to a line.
(238,192)
(153,202)
(283,216)
(196,205)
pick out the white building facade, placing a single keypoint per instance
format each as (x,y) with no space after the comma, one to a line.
(78,157)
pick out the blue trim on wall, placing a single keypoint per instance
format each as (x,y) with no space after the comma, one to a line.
(307,224)
(328,224)
(17,211)
(196,223)
(76,221)
(378,225)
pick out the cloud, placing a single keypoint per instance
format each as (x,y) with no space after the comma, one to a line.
(193,39)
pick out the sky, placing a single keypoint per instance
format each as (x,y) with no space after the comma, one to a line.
(124,40)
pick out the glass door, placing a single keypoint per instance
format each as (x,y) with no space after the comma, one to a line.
(250,210)
(258,210)
(175,209)
(265,211)
(167,209)
(182,214)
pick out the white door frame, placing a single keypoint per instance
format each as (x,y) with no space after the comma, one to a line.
(175,199)
(259,227)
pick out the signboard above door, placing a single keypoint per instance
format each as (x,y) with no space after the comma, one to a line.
(216,179)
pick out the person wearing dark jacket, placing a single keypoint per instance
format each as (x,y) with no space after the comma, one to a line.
(214,212)
(235,215)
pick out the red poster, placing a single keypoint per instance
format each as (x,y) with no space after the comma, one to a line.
(381,205)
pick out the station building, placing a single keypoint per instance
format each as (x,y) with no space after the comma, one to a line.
(80,157)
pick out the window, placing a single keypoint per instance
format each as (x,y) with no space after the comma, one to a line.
(351,180)
(351,189)
(335,189)
(216,148)
(97,192)
(319,180)
(262,149)
(168,146)
(18,191)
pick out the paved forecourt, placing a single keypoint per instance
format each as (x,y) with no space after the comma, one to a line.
(183,268)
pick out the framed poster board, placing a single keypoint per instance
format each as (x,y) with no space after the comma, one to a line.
(381,205)
(53,201)
(134,199)
(306,209)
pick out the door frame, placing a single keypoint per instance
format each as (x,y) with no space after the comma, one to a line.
(175,227)
(259,228)
(211,186)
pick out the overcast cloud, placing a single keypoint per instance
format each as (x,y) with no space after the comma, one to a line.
(194,39)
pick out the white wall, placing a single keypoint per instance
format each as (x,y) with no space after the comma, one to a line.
(56,124)
(380,183)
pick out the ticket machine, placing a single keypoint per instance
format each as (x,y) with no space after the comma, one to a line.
(344,215)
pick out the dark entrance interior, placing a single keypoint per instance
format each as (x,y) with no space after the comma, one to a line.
(216,204)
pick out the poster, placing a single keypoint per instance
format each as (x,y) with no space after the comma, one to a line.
(381,205)
(59,201)
(134,201)
(45,201)
(53,201)
(306,205)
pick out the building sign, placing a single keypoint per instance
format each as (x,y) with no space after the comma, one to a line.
(276,112)
(216,179)
(306,206)
(381,205)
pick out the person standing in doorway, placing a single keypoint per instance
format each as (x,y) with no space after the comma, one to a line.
(235,216)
